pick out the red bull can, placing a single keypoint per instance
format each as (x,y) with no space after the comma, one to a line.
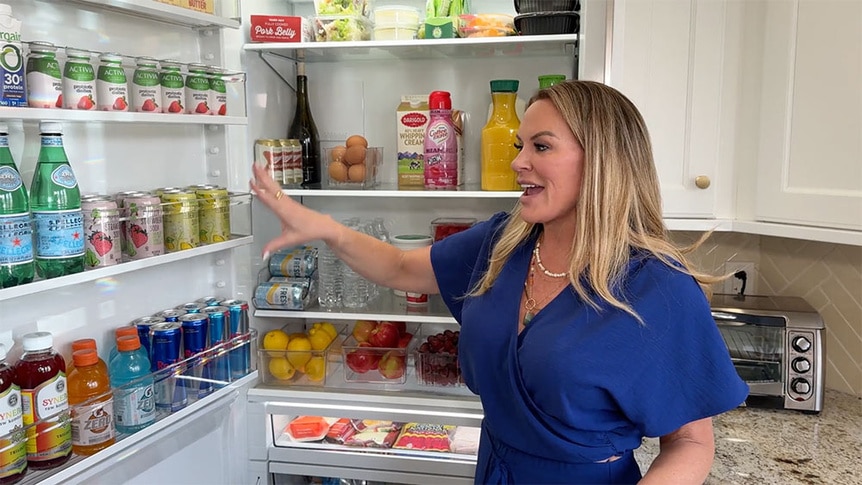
(217,330)
(209,300)
(143,325)
(171,315)
(191,307)
(194,326)
(166,351)
(240,355)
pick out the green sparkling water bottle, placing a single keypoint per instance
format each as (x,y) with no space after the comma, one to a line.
(16,231)
(55,202)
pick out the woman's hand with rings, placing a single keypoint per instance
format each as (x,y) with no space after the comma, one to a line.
(299,224)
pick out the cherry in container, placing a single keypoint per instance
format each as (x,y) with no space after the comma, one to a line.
(446,226)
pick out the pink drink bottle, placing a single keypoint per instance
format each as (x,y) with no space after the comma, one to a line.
(441,144)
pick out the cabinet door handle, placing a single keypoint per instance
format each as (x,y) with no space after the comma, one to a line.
(702,181)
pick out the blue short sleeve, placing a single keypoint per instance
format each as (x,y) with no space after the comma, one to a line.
(684,372)
(459,259)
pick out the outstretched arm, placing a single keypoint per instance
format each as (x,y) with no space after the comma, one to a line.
(375,260)
(686,456)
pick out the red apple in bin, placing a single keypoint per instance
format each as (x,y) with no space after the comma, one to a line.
(362,329)
(385,334)
(392,364)
(362,360)
(401,326)
(405,339)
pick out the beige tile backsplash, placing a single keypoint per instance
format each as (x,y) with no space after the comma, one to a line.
(828,276)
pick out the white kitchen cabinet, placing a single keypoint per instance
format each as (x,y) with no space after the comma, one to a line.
(671,58)
(810,127)
(115,151)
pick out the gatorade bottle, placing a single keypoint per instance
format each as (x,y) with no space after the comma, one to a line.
(13,442)
(120,332)
(16,233)
(92,404)
(83,344)
(55,201)
(134,397)
(41,374)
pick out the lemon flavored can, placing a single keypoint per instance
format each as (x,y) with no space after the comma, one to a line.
(298,262)
(102,233)
(143,231)
(214,214)
(180,209)
(285,294)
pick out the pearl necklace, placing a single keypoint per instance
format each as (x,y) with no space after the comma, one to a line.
(542,267)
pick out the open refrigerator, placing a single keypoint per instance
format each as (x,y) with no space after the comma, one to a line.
(237,434)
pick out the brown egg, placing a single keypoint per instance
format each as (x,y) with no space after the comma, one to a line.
(356,140)
(338,172)
(356,173)
(355,155)
(337,154)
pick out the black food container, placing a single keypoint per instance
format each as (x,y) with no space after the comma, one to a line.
(548,23)
(535,6)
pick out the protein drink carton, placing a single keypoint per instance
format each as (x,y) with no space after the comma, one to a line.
(412,121)
(12,89)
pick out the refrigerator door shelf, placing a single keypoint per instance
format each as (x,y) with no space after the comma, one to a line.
(155,10)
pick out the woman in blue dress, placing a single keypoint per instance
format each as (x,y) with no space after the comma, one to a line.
(583,328)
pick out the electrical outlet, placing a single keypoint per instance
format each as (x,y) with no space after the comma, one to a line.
(733,284)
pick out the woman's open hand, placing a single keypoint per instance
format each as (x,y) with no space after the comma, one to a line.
(299,224)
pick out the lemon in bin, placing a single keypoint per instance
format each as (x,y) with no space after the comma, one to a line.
(315,369)
(275,340)
(319,338)
(328,328)
(299,351)
(281,369)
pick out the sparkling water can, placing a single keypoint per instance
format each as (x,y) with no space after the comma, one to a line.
(213,214)
(180,215)
(143,234)
(286,294)
(298,262)
(103,236)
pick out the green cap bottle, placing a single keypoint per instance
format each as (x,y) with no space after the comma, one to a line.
(16,232)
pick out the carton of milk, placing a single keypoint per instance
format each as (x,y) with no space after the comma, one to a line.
(12,88)
(412,121)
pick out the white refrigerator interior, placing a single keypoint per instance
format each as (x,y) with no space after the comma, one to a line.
(112,152)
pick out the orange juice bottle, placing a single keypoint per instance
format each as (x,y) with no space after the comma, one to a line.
(499,138)
(92,404)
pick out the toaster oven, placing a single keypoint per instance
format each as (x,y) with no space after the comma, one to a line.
(777,346)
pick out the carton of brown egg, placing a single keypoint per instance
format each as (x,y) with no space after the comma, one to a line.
(354,164)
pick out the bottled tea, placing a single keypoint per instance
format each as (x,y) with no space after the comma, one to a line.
(16,232)
(55,201)
(303,129)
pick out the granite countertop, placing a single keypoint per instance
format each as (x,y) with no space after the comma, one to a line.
(777,447)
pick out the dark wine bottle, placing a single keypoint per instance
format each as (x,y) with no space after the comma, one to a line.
(303,129)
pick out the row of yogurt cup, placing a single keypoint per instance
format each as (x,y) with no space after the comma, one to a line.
(155,87)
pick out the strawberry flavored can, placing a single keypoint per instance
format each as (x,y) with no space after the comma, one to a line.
(143,235)
(102,231)
(180,216)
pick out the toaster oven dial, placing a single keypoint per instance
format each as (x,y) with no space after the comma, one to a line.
(801,365)
(800,386)
(801,344)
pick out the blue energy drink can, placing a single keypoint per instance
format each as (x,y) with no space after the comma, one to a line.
(197,379)
(191,307)
(209,300)
(219,325)
(143,325)
(240,355)
(171,315)
(166,351)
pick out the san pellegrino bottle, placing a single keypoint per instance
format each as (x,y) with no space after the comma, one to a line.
(55,202)
(303,129)
(16,233)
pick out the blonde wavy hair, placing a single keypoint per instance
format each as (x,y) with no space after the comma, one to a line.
(620,202)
